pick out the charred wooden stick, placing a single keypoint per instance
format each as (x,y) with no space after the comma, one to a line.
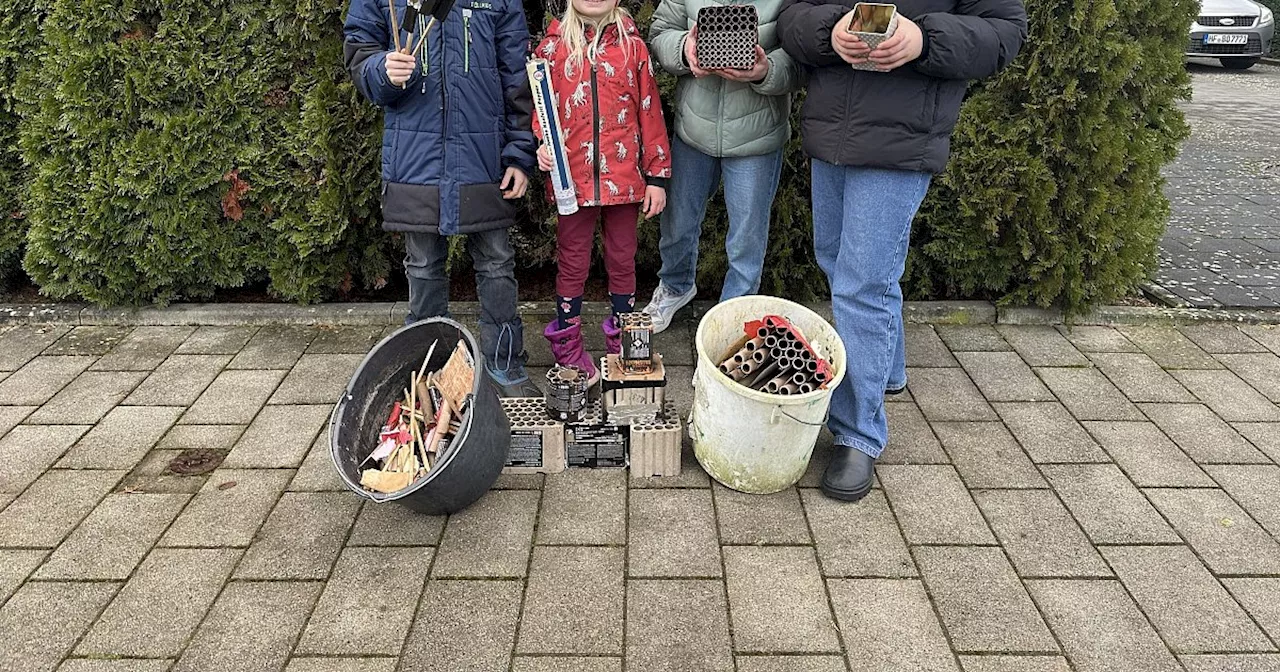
(395,24)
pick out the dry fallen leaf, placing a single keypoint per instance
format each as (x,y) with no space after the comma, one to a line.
(227,485)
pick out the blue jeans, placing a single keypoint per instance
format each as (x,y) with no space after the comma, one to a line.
(749,185)
(501,330)
(861,232)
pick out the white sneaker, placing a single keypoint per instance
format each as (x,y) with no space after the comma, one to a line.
(665,304)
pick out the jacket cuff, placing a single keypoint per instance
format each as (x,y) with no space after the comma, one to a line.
(682,63)
(769,85)
(651,181)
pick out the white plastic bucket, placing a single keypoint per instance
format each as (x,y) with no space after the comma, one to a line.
(748,440)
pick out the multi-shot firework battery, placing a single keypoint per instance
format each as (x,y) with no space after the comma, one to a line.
(655,445)
(637,339)
(872,23)
(545,104)
(773,357)
(537,441)
(727,37)
(631,399)
(566,393)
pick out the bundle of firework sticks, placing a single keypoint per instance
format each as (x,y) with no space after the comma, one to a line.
(421,424)
(774,357)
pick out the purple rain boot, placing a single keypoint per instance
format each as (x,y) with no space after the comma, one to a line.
(612,335)
(566,347)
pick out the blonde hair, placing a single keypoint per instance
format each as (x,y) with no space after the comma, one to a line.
(573,33)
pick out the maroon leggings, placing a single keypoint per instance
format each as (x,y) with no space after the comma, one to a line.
(576,236)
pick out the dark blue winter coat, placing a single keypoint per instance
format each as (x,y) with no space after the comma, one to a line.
(459,122)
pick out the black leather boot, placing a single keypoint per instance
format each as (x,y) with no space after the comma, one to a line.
(849,475)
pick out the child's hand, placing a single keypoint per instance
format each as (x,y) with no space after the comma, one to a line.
(691,54)
(847,45)
(756,73)
(400,67)
(514,184)
(544,159)
(655,201)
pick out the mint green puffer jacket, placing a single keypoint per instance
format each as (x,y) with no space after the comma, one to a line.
(714,115)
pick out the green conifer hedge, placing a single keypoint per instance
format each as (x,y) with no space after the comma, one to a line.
(157,150)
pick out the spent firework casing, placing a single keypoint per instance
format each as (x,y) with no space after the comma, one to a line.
(727,36)
(544,104)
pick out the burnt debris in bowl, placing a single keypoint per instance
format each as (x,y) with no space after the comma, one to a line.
(464,470)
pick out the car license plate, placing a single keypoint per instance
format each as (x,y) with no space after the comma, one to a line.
(1220,38)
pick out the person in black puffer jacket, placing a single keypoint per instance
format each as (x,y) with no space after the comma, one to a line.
(875,139)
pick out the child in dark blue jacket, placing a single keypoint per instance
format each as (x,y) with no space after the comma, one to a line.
(456,150)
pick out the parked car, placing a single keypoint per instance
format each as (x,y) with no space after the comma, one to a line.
(1236,32)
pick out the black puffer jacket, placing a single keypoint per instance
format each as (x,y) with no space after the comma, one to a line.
(901,119)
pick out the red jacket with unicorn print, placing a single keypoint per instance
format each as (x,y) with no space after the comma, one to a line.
(615,137)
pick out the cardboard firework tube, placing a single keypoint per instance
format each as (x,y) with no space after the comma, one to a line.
(754,344)
(763,375)
(726,368)
(771,341)
(759,356)
(806,388)
(539,71)
(788,389)
(799,378)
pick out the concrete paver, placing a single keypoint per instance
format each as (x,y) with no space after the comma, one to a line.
(678,625)
(574,602)
(87,398)
(753,520)
(673,533)
(43,620)
(983,605)
(1039,534)
(1222,534)
(490,539)
(157,610)
(22,343)
(1100,628)
(251,627)
(356,617)
(882,614)
(1202,434)
(584,507)
(1049,433)
(1190,609)
(471,625)
(933,506)
(114,538)
(1107,505)
(859,543)
(802,623)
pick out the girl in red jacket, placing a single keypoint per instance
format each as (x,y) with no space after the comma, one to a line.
(619,156)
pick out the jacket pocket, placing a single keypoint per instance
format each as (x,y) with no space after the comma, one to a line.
(466,40)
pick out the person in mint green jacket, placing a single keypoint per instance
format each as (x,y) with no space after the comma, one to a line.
(731,125)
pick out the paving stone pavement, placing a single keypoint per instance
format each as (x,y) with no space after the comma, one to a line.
(1222,246)
(1052,500)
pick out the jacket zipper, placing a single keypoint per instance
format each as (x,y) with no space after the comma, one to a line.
(426,54)
(720,117)
(595,127)
(466,40)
